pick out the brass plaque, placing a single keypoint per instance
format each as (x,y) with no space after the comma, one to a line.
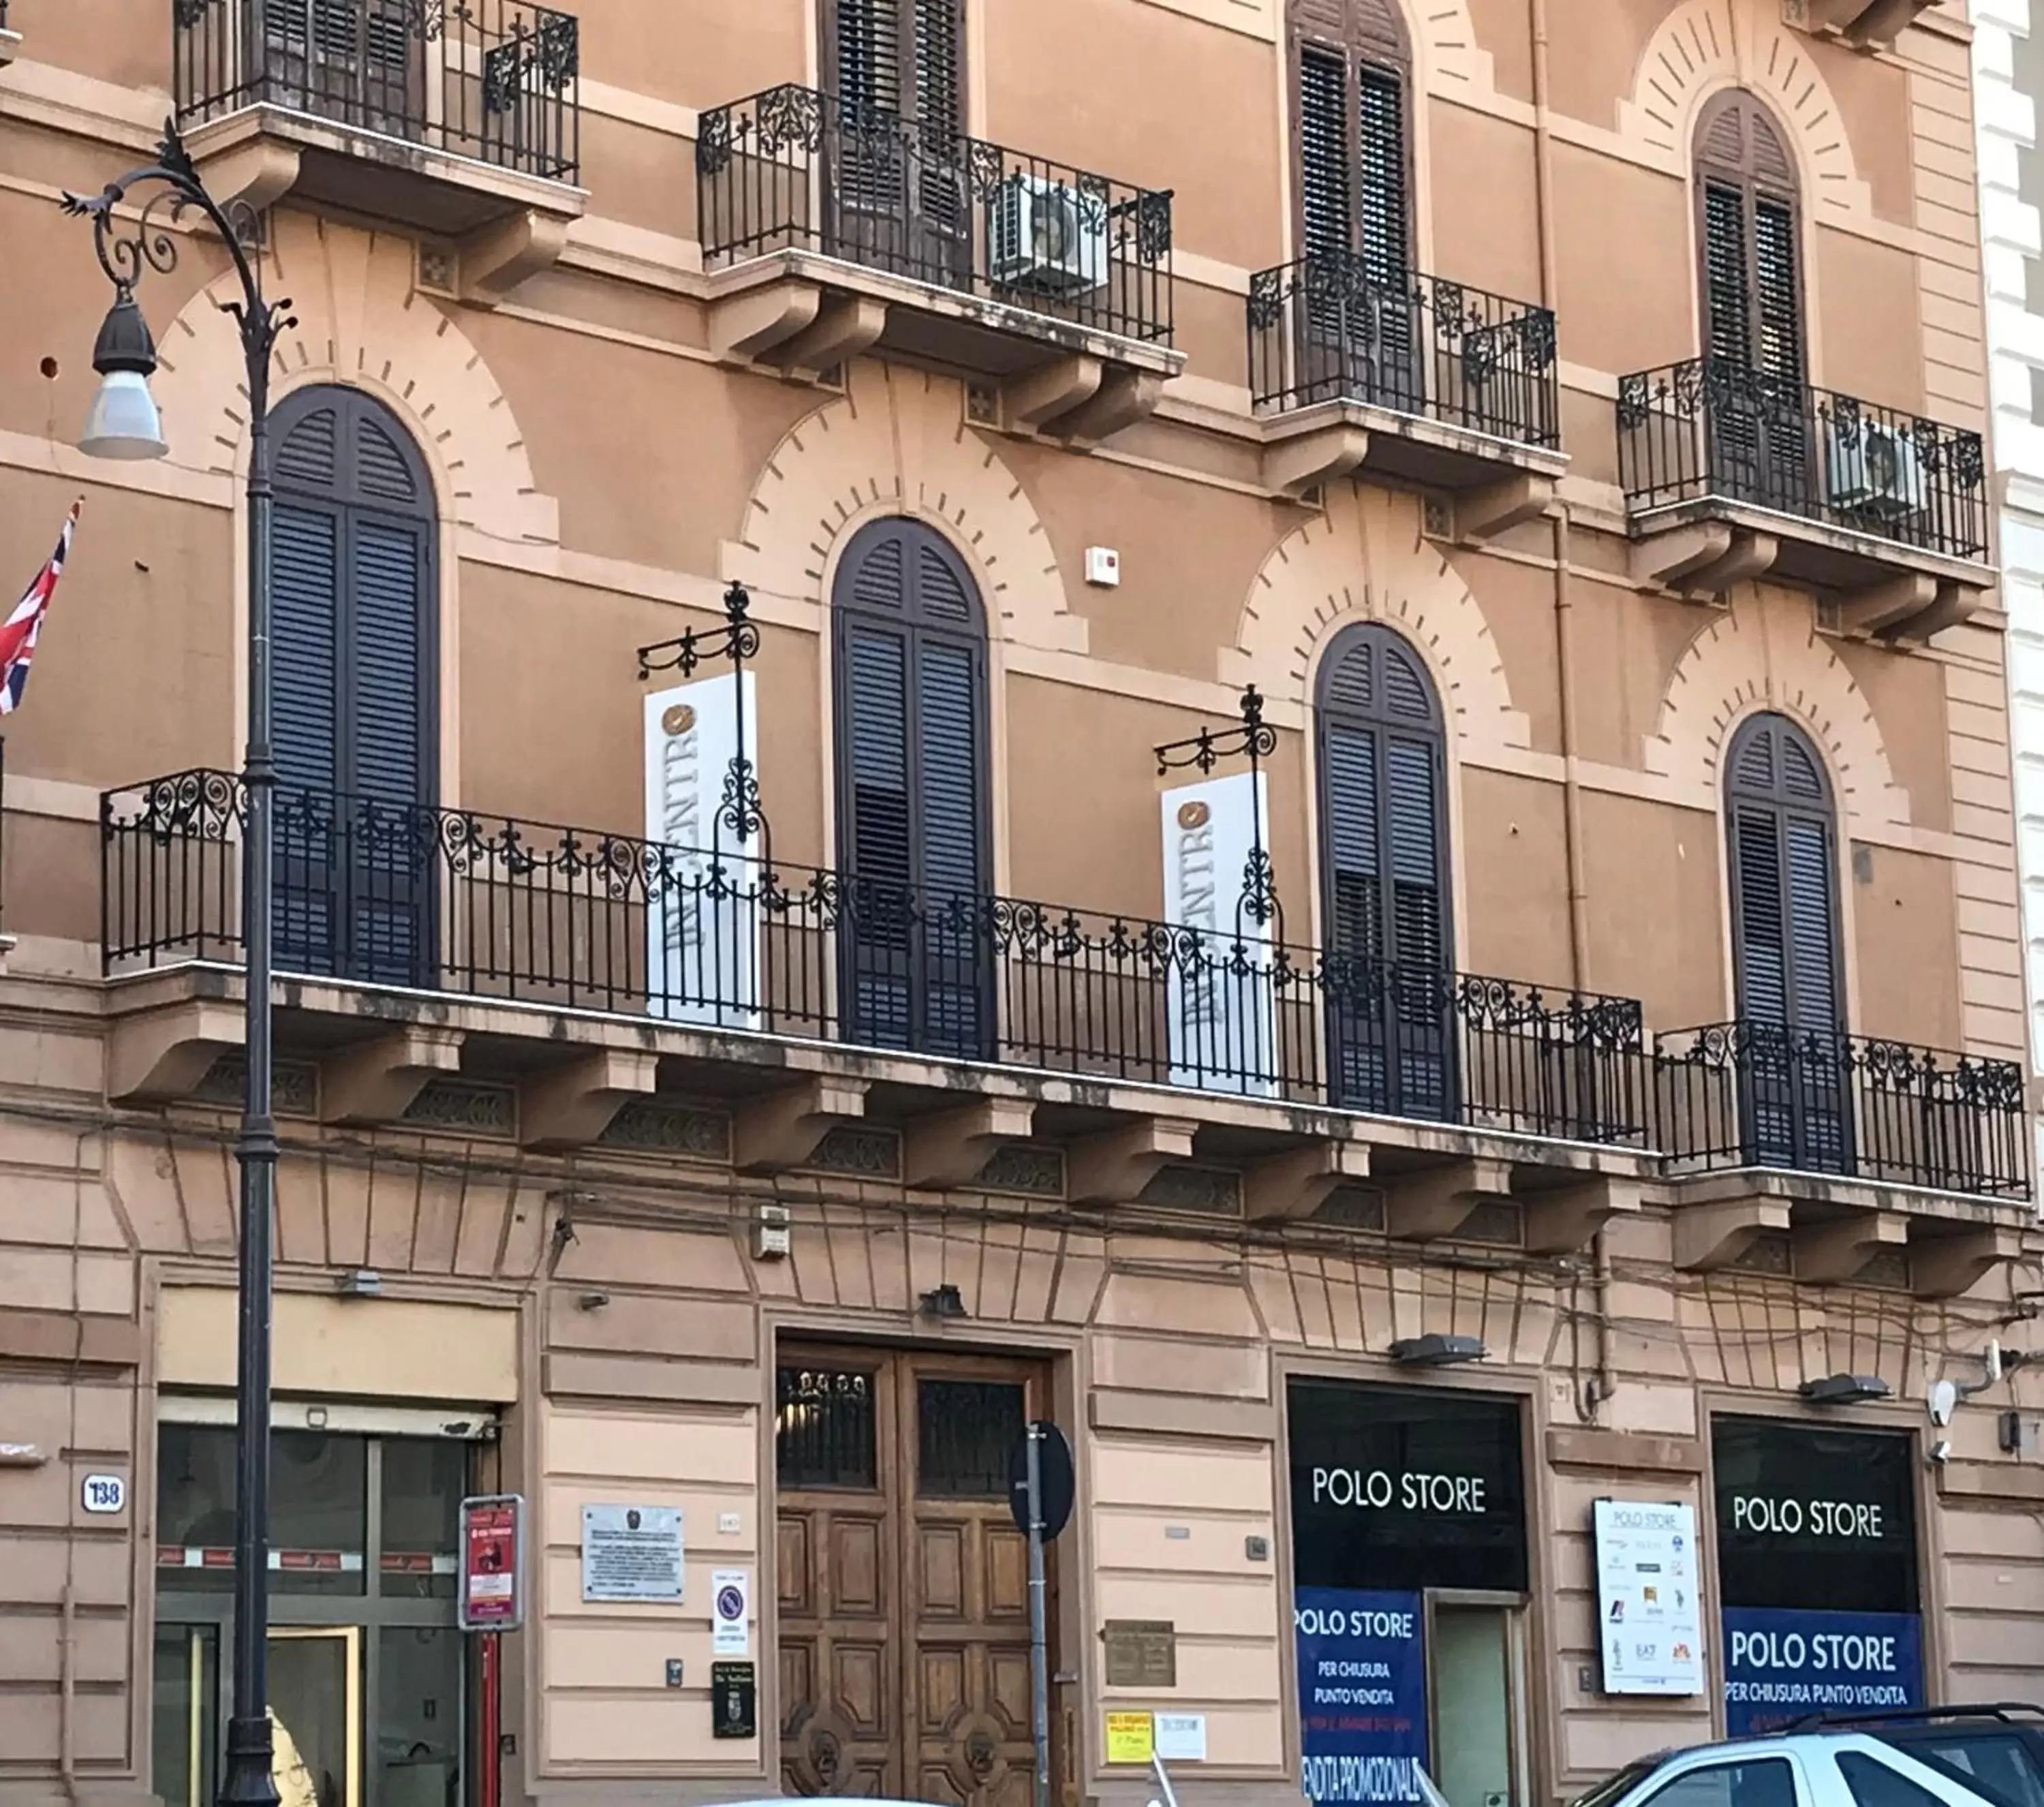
(1142,1653)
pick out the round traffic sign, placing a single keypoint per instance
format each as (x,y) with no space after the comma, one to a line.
(1053,1474)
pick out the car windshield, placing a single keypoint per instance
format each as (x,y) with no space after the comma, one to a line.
(1617,1783)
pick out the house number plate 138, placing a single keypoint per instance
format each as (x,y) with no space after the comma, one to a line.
(103,1492)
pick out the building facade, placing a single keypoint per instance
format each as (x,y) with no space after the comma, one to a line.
(2008,79)
(1336,809)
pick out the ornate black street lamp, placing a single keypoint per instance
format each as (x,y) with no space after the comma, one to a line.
(124,424)
(1206,749)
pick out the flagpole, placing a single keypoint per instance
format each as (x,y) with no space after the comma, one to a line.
(125,424)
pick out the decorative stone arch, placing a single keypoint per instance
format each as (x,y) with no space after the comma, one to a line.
(1756,659)
(897,443)
(361,323)
(1443,40)
(1705,45)
(1366,559)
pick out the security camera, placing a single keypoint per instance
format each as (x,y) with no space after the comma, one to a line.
(1941,1453)
(1943,1401)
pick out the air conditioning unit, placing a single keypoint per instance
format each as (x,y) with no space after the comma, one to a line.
(1046,235)
(1873,468)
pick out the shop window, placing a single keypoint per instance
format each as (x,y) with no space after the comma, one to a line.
(1771,1783)
(367,1669)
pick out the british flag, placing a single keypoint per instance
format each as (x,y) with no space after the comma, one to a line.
(18,636)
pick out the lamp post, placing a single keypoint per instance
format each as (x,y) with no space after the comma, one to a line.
(124,424)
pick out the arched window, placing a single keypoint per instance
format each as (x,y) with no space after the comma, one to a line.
(1384,876)
(1784,876)
(910,686)
(1746,231)
(1351,85)
(1351,76)
(1783,861)
(352,589)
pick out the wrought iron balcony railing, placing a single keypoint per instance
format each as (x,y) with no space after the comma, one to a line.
(497,80)
(1327,329)
(793,169)
(1715,428)
(456,902)
(1754,1095)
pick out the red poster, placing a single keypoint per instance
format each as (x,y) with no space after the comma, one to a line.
(489,1552)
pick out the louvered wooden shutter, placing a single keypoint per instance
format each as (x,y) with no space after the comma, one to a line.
(1382,839)
(1728,330)
(868,63)
(912,701)
(352,559)
(1325,206)
(1383,224)
(1778,300)
(1748,226)
(1784,885)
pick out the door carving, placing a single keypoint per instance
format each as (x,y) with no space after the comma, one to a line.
(903,1583)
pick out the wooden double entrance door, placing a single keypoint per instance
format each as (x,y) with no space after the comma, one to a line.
(904,1600)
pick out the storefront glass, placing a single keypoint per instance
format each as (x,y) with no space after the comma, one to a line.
(367,1671)
(1409,1572)
(1817,1571)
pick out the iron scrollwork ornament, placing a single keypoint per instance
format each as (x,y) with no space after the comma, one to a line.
(128,247)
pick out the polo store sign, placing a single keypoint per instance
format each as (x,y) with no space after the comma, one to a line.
(1817,1571)
(1394,1491)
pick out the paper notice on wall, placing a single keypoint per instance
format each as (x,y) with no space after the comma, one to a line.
(1130,1738)
(701,882)
(1219,1005)
(1181,1737)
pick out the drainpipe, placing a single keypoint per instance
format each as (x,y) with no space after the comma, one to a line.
(1572,796)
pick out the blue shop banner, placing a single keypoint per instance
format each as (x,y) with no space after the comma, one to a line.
(1784,1663)
(1362,1694)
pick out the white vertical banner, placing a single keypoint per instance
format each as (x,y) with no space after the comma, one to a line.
(1221,1023)
(702,952)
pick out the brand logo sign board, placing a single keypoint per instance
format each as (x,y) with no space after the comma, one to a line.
(1220,1008)
(1648,1597)
(702,886)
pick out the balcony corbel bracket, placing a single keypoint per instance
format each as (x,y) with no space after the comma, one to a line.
(1947,1266)
(1836,1253)
(164,1054)
(753,323)
(1435,1202)
(495,259)
(1869,24)
(1113,1166)
(1704,558)
(376,1081)
(1295,1184)
(1561,1220)
(950,1148)
(785,1128)
(244,167)
(1484,514)
(1042,398)
(1300,462)
(1708,1237)
(571,1106)
(844,326)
